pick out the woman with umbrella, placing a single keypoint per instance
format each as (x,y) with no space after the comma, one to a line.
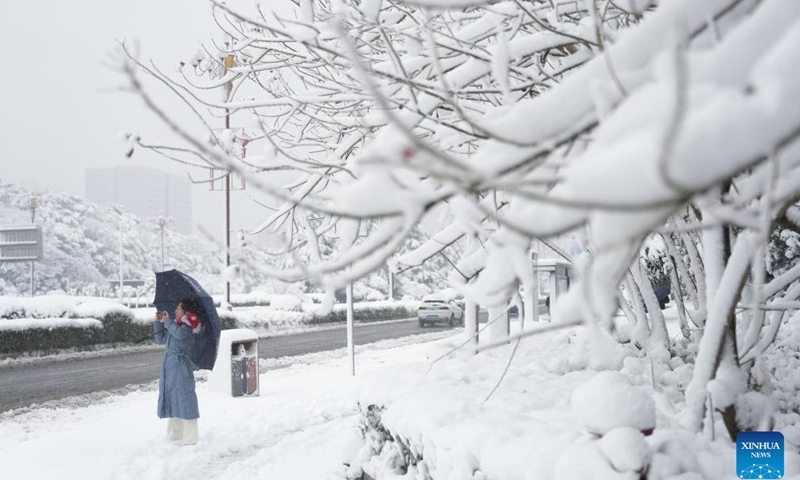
(177,399)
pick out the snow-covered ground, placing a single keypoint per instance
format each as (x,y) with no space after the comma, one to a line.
(305,424)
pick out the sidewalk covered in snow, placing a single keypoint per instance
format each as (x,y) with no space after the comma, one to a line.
(314,421)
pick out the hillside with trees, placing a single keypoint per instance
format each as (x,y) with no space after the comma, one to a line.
(81,253)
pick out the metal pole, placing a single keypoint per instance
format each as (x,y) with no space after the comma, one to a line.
(391,284)
(228,220)
(532,297)
(33,204)
(228,235)
(120,262)
(351,354)
(162,247)
(161,222)
(471,313)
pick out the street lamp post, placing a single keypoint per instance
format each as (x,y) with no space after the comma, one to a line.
(161,222)
(227,223)
(391,284)
(33,204)
(229,62)
(351,353)
(120,262)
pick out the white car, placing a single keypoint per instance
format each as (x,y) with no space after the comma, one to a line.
(438,310)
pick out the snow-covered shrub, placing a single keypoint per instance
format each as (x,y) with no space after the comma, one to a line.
(597,403)
(656,263)
(784,251)
(382,453)
(288,303)
(271,320)
(362,293)
(24,336)
(119,324)
(375,296)
(265,320)
(621,454)
(370,311)
(416,290)
(50,334)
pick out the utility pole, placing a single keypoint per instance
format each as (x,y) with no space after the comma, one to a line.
(391,284)
(351,353)
(531,302)
(227,224)
(228,63)
(161,222)
(33,204)
(120,262)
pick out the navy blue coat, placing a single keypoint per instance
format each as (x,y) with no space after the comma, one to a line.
(176,389)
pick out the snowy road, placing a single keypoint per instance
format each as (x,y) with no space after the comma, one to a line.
(28,384)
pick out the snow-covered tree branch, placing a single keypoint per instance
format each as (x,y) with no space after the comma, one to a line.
(628,120)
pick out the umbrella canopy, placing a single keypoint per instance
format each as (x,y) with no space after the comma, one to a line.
(173,286)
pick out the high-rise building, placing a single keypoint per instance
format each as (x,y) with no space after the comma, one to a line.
(147,192)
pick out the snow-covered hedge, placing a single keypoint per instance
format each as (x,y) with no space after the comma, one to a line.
(58,306)
(265,320)
(49,334)
(574,405)
(18,335)
(53,322)
(61,321)
(371,311)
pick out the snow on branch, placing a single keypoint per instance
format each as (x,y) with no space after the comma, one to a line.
(619,119)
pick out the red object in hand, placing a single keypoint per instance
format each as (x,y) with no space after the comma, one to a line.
(192,320)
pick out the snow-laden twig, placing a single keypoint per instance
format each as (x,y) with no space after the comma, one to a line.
(470,339)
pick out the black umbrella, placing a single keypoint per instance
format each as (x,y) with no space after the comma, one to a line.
(173,286)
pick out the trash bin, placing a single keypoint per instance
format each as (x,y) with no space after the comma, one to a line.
(236,369)
(244,367)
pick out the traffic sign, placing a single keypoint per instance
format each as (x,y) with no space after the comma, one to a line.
(21,243)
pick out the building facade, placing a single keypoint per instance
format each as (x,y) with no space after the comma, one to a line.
(146,192)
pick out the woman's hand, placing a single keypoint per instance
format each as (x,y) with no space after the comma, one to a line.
(160,317)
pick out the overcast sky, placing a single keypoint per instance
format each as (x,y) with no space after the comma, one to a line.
(60,113)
